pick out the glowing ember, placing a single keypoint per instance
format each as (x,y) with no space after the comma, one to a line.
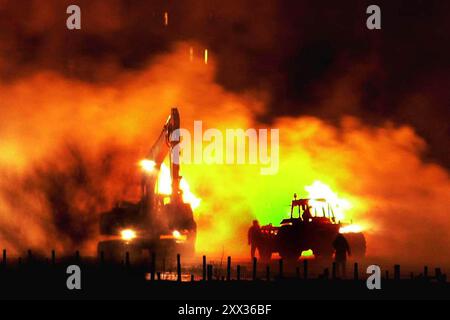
(166,19)
(307,254)
(206,56)
(128,234)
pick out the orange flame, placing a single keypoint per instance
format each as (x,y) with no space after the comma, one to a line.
(165,187)
(319,190)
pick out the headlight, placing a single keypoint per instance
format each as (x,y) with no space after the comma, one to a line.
(128,234)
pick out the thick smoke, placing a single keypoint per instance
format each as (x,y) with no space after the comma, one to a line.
(69,149)
(292,50)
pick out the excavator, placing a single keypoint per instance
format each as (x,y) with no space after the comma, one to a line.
(159,224)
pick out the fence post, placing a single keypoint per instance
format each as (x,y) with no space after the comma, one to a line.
(204,268)
(326,273)
(281,268)
(333,271)
(305,269)
(153,266)
(4,258)
(127,259)
(355,271)
(397,272)
(30,256)
(425,272)
(53,257)
(238,271)
(178,267)
(438,274)
(228,268)
(210,272)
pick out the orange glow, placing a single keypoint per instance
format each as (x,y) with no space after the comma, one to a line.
(165,187)
(166,19)
(319,190)
(206,56)
(128,234)
(147,165)
(53,128)
(353,228)
(175,235)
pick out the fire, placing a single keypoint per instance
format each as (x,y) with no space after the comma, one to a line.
(165,187)
(352,228)
(319,190)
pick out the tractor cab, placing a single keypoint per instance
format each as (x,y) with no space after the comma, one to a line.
(310,211)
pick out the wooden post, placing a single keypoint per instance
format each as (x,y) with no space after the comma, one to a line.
(158,275)
(192,278)
(438,274)
(228,268)
(333,271)
(305,269)
(127,259)
(425,272)
(238,271)
(153,266)
(4,258)
(355,271)
(326,273)
(204,268)
(210,272)
(397,272)
(268,273)
(178,267)
(53,257)
(281,269)
(254,268)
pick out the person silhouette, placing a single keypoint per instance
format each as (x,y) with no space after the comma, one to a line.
(341,249)
(254,235)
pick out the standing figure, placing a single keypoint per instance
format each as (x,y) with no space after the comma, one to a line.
(341,249)
(254,235)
